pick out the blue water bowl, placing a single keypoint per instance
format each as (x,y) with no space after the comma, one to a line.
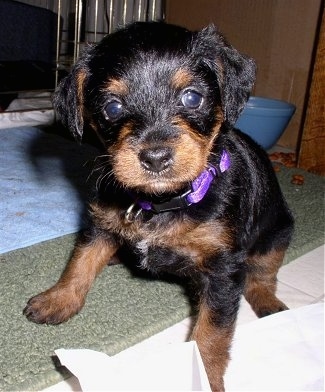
(265,120)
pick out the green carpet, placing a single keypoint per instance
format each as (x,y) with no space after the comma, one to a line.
(121,309)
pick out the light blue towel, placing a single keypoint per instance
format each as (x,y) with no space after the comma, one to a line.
(43,189)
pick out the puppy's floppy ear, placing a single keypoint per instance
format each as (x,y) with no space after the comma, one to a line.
(235,72)
(68,98)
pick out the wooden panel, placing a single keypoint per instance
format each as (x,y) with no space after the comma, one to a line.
(312,148)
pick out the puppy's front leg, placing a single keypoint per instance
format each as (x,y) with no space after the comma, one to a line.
(214,343)
(214,328)
(67,296)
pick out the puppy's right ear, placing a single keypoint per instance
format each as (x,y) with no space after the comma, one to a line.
(68,98)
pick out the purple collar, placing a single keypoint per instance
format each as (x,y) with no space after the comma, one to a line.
(195,194)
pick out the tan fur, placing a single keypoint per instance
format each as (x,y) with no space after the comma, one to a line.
(198,241)
(181,79)
(116,86)
(67,296)
(80,81)
(214,343)
(128,170)
(261,283)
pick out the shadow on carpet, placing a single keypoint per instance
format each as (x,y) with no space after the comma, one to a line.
(43,186)
(121,309)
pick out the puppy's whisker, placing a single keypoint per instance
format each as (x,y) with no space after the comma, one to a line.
(104,178)
(100,164)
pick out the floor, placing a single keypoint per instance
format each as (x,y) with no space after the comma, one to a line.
(301,282)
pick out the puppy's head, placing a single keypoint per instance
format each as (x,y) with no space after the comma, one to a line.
(156,95)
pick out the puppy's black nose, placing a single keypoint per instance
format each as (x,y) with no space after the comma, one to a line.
(156,159)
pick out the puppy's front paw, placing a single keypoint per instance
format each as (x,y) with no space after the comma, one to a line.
(53,306)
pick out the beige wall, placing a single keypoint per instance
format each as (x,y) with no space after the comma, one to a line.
(279,34)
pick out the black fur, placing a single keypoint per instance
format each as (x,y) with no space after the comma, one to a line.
(147,68)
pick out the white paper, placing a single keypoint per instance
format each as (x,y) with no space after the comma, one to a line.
(178,367)
(282,352)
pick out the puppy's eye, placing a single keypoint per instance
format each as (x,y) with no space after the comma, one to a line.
(113,110)
(191,99)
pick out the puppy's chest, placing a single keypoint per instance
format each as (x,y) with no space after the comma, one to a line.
(194,240)
(153,232)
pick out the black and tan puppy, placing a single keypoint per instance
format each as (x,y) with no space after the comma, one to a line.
(187,192)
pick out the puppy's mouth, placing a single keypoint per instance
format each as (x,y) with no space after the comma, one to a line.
(153,177)
(158,169)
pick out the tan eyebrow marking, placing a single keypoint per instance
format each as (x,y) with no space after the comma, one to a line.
(181,79)
(117,86)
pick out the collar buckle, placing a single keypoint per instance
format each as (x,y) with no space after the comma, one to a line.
(133,212)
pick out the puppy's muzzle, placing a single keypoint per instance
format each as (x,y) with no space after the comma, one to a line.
(156,159)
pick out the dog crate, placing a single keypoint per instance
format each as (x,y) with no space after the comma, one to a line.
(50,38)
(87,21)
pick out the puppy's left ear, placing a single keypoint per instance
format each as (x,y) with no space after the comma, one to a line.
(68,98)
(235,72)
